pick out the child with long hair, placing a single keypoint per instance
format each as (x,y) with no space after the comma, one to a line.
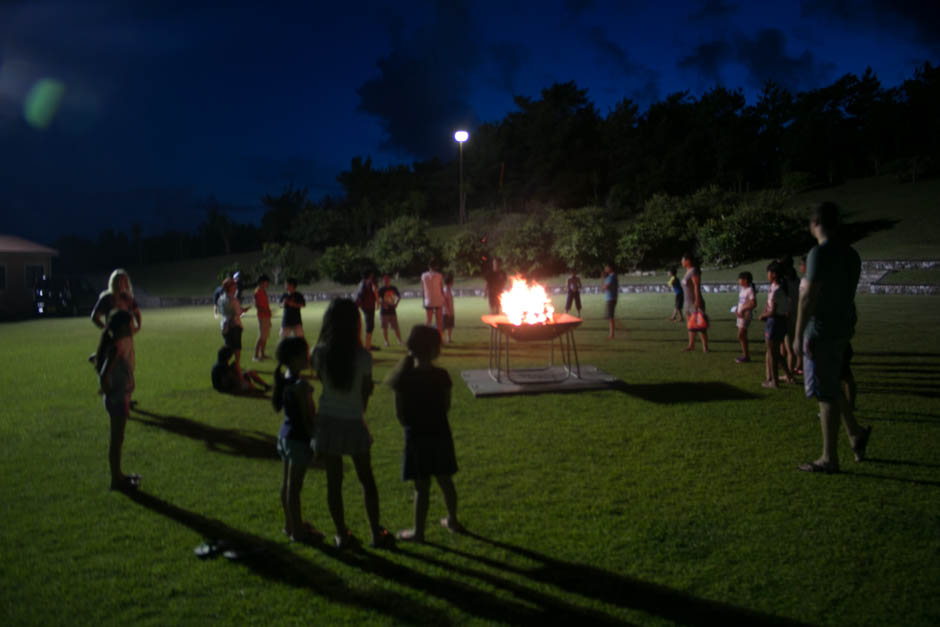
(747,302)
(294,396)
(345,370)
(422,400)
(115,362)
(775,316)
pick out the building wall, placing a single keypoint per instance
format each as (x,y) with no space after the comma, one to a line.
(17,272)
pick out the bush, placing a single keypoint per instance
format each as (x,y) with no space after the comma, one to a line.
(403,247)
(758,227)
(584,239)
(343,263)
(464,254)
(660,234)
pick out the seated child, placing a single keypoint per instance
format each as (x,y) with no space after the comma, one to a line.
(226,379)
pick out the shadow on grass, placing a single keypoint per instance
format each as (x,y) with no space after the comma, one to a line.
(900,462)
(274,561)
(672,392)
(253,444)
(901,390)
(533,607)
(612,588)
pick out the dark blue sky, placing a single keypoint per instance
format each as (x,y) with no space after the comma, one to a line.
(162,103)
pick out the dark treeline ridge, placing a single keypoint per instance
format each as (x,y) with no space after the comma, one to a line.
(559,152)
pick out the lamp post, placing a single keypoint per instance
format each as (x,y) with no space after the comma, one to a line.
(461,137)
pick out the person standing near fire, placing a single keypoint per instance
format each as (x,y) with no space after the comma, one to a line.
(432,282)
(611,290)
(573,286)
(495,285)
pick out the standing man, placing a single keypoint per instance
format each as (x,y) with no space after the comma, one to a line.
(231,310)
(573,286)
(495,285)
(263,307)
(611,290)
(432,282)
(388,310)
(366,297)
(825,324)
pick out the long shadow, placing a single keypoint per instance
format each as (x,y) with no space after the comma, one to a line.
(671,393)
(535,608)
(273,561)
(894,354)
(912,367)
(899,390)
(253,444)
(620,590)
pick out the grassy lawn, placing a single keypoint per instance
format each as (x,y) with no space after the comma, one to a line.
(675,500)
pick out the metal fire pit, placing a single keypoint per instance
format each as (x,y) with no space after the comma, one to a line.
(561,329)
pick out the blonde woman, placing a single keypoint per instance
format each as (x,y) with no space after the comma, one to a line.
(119,295)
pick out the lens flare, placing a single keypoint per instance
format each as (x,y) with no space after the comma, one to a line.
(43,102)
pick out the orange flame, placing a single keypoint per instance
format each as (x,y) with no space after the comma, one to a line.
(525,304)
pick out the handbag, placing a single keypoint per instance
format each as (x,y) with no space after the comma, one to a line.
(697,321)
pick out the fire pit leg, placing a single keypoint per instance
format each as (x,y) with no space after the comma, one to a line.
(495,356)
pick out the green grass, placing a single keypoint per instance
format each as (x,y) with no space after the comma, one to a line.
(663,503)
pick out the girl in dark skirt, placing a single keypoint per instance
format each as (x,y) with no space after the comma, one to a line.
(422,400)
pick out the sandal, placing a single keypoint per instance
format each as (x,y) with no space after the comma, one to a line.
(457,528)
(384,540)
(308,533)
(408,535)
(817,467)
(861,443)
(345,541)
(127,484)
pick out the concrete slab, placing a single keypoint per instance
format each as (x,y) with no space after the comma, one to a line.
(482,385)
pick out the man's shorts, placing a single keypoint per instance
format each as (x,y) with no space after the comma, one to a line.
(611,307)
(680,300)
(264,328)
(822,368)
(296,330)
(389,319)
(297,452)
(369,315)
(573,297)
(233,338)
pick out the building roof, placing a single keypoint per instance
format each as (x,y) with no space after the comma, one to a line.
(14,244)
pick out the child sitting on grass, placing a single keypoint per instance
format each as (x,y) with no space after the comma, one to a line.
(747,302)
(295,396)
(226,378)
(422,400)
(114,362)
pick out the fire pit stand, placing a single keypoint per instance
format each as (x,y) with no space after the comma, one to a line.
(560,330)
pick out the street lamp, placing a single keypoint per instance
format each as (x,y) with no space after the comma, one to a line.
(461,137)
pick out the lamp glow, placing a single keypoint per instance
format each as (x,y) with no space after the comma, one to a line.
(461,136)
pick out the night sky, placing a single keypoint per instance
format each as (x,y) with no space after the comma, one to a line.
(115,112)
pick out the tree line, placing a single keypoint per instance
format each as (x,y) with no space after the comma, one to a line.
(557,152)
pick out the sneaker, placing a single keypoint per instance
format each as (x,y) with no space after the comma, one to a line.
(374,348)
(742,360)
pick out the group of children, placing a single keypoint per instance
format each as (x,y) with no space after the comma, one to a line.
(336,427)
(779,316)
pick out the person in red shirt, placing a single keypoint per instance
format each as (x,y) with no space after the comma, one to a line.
(263,307)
